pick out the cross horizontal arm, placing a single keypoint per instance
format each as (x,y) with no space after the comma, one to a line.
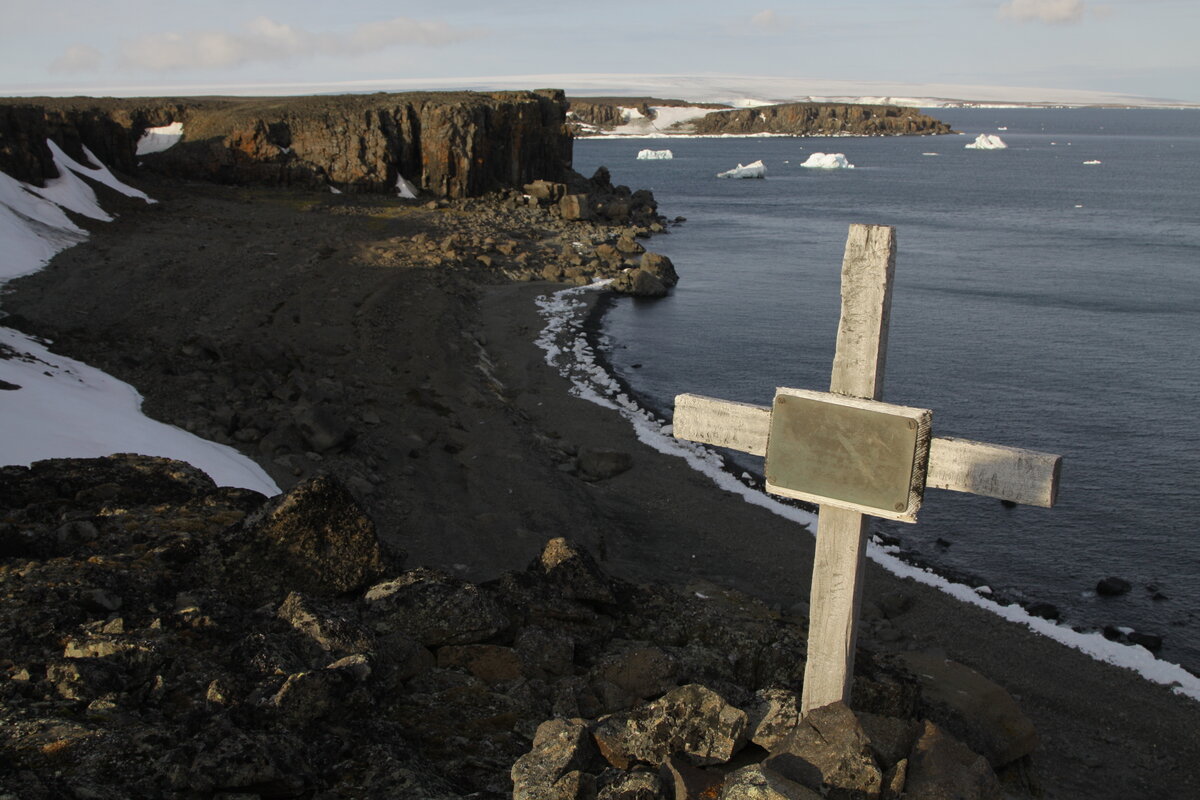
(960,465)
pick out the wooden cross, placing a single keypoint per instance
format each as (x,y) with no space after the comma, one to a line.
(854,455)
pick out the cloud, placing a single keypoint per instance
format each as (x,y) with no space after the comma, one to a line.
(77,58)
(1050,11)
(263,39)
(769,21)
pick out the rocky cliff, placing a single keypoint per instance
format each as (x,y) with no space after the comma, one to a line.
(820,119)
(460,144)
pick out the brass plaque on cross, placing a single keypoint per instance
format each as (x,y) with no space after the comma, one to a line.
(862,455)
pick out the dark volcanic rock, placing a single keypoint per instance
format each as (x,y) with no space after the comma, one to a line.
(821,119)
(157,621)
(449,144)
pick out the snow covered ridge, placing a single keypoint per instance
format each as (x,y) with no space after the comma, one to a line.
(56,407)
(987,141)
(756,169)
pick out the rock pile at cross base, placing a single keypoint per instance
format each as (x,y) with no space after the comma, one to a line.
(165,638)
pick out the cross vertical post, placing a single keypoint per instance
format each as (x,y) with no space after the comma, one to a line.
(852,454)
(858,365)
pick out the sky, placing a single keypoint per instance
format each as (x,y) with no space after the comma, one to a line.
(1144,48)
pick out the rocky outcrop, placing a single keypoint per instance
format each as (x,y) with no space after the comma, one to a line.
(228,645)
(819,119)
(460,144)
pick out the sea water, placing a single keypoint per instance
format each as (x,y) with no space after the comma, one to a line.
(1040,301)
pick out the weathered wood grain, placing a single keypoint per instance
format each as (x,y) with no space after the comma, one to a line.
(837,581)
(1020,476)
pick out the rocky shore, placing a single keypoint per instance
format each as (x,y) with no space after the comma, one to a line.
(475,583)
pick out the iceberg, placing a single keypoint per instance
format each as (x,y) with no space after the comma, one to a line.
(987,141)
(827,161)
(755,170)
(155,140)
(1093,161)
(654,155)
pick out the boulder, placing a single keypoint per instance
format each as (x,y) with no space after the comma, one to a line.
(574,207)
(639,283)
(976,710)
(555,768)
(828,748)
(317,537)
(660,267)
(1112,587)
(942,768)
(692,720)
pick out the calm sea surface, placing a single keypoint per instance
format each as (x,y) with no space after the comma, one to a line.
(1040,302)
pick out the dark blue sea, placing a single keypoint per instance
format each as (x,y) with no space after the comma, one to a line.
(1040,302)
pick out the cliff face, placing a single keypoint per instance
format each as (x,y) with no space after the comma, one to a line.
(820,119)
(450,144)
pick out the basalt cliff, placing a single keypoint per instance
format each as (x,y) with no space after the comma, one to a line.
(599,115)
(451,145)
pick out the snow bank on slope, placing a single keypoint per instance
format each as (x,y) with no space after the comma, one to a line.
(155,140)
(55,407)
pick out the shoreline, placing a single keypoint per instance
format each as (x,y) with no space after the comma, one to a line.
(466,446)
(891,558)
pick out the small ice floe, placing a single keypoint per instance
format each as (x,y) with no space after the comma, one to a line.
(1002,128)
(987,141)
(155,140)
(1079,205)
(827,161)
(1093,161)
(654,155)
(754,170)
(931,154)
(405,189)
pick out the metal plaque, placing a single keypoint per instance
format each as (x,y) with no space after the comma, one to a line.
(858,454)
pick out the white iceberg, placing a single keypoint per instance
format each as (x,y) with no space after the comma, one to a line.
(987,141)
(155,140)
(654,155)
(827,161)
(755,170)
(1093,161)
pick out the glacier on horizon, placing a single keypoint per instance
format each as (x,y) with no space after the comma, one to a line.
(827,161)
(654,155)
(987,141)
(754,170)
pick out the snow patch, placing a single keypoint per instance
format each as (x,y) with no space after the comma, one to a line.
(66,409)
(754,170)
(155,140)
(405,189)
(827,161)
(62,408)
(654,155)
(987,141)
